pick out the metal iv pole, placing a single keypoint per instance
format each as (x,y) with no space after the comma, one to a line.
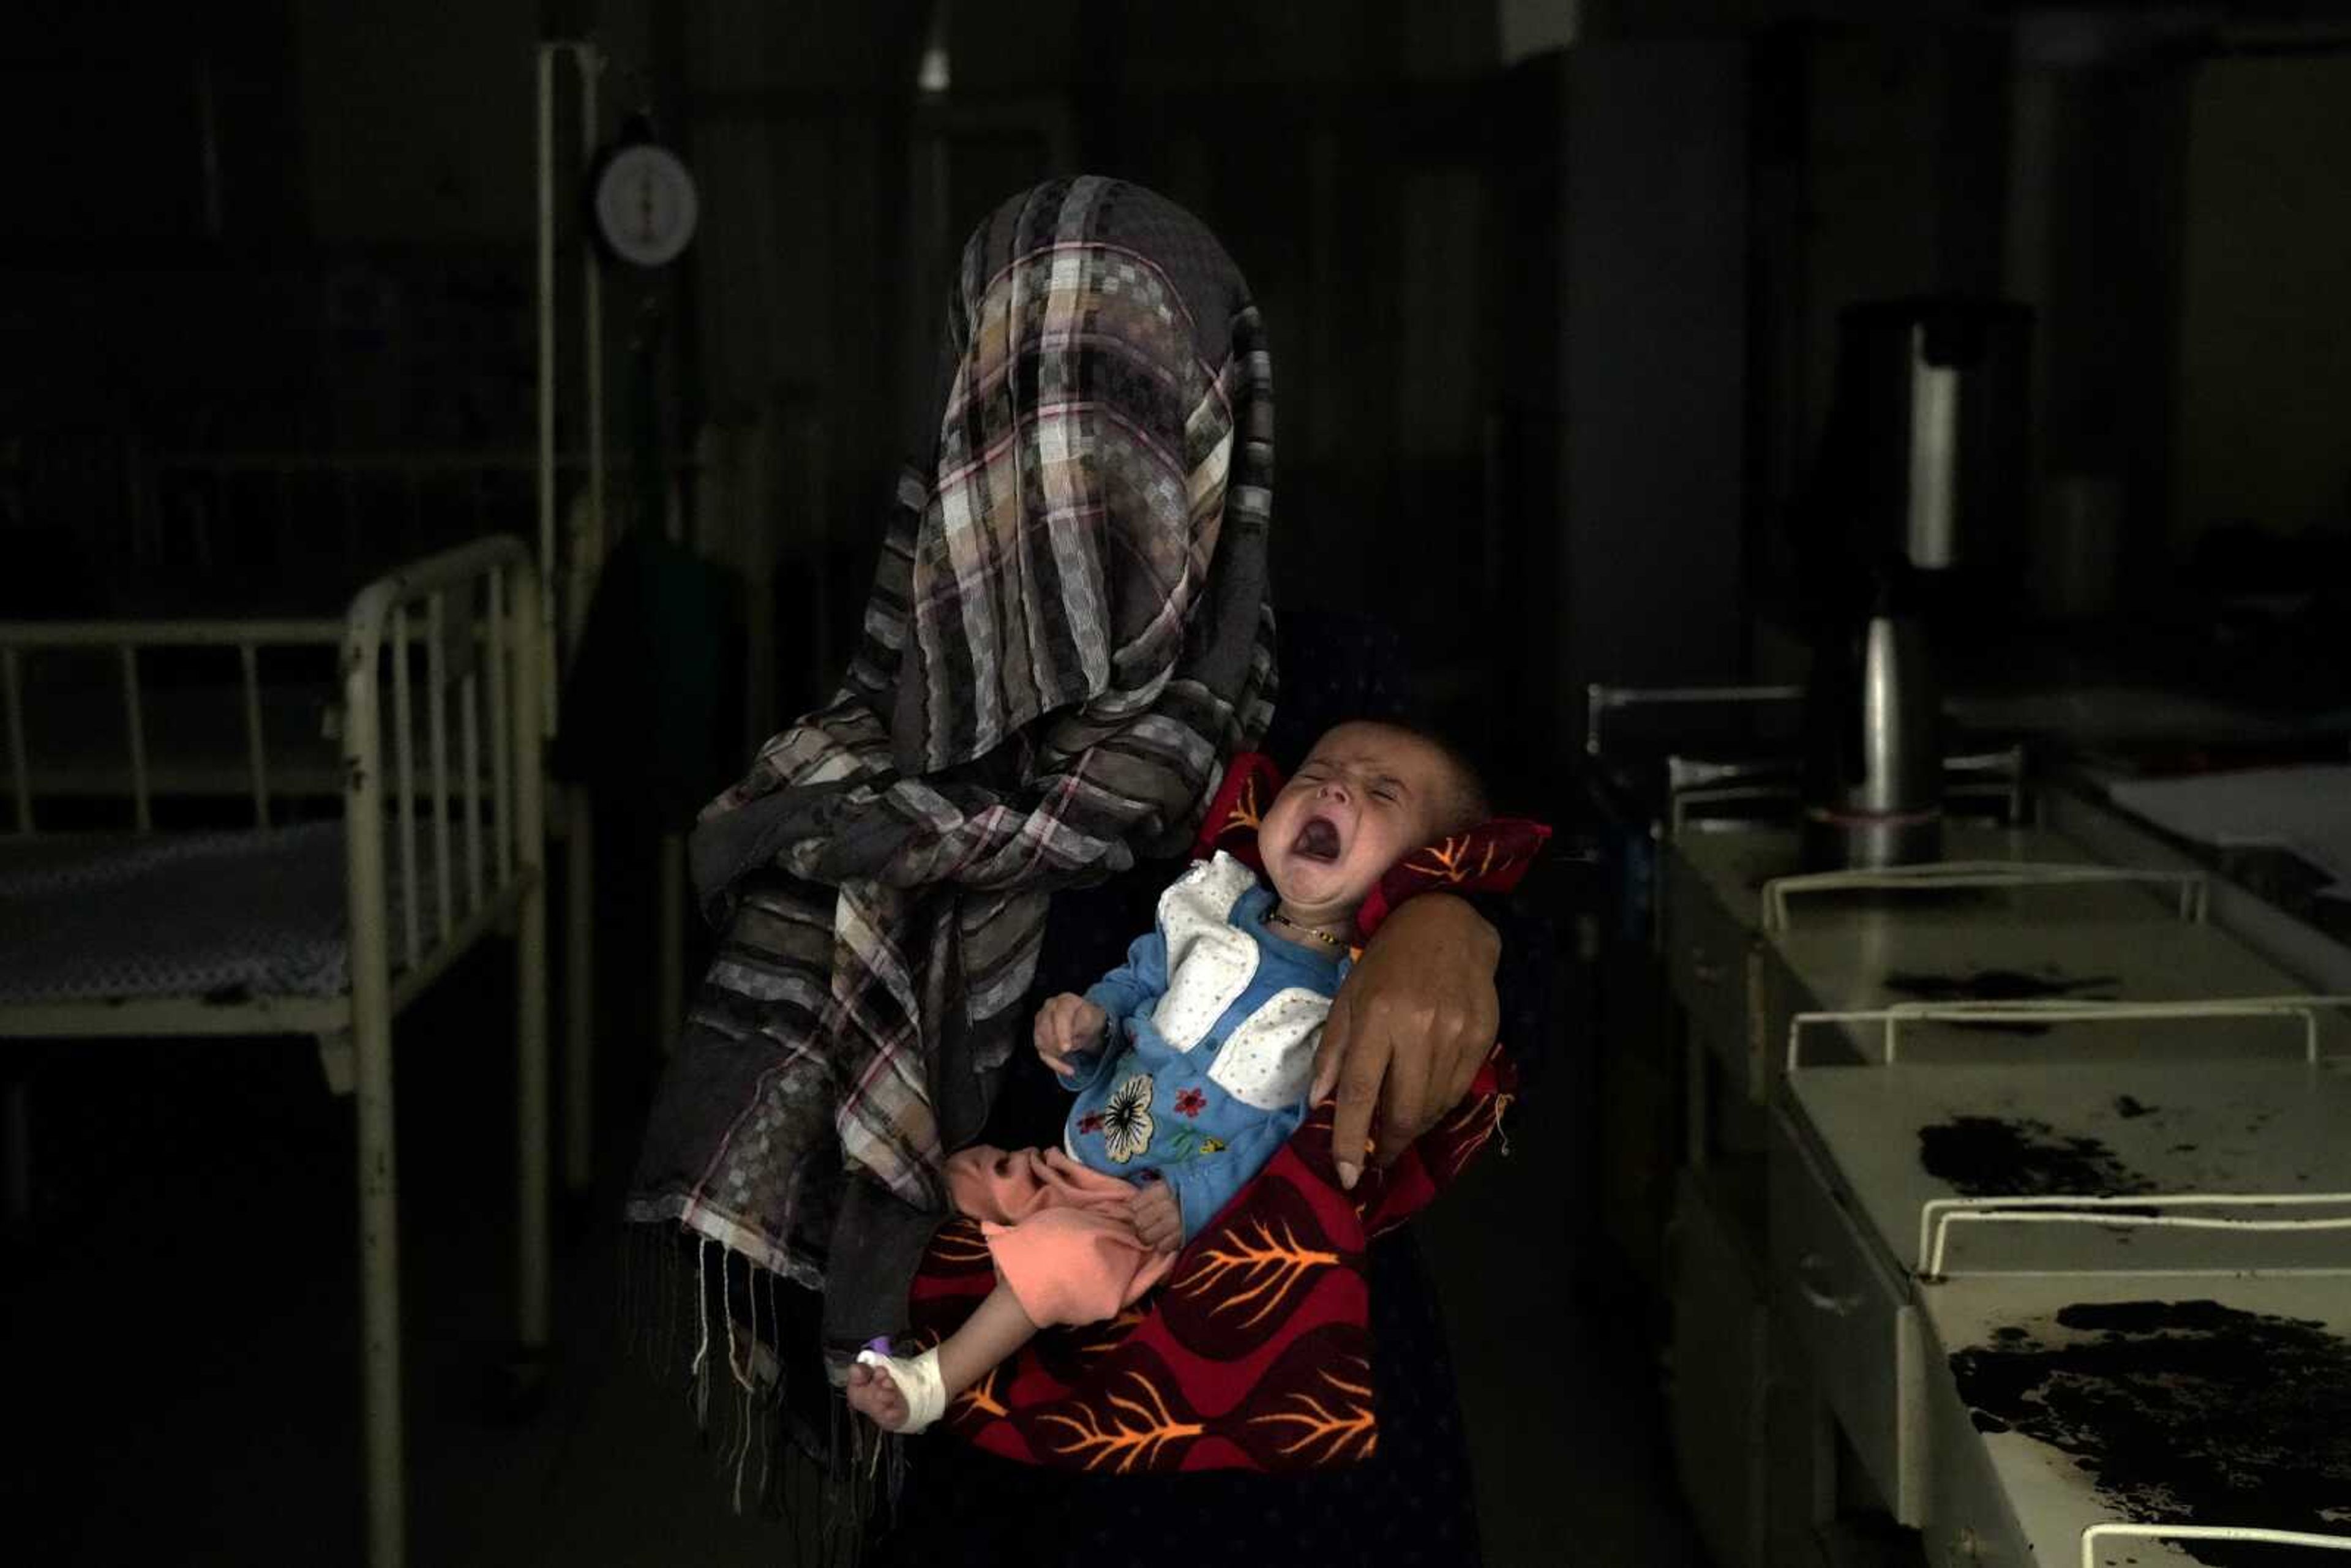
(585,555)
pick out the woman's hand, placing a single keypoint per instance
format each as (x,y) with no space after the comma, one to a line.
(1411,1023)
(1066,1025)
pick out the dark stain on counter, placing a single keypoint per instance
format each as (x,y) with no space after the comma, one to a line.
(1999,1157)
(2182,1413)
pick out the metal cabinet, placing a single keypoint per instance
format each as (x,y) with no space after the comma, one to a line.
(1713,964)
(1721,1386)
(1850,1309)
(1968,1522)
(1755,1446)
(1784,1331)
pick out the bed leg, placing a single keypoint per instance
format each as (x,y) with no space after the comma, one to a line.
(578,990)
(383,1460)
(379,1281)
(533,1245)
(532,1284)
(336,1062)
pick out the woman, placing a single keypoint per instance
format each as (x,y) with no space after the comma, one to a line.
(1069,632)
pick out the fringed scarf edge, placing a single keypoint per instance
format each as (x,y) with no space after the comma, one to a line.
(689,1299)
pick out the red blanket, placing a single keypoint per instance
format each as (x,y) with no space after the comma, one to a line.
(1255,1353)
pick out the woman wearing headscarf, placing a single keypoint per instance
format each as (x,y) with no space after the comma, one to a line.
(1068,634)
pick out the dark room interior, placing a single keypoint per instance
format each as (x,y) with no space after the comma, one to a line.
(1869,476)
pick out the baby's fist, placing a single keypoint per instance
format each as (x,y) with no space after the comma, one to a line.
(1066,1025)
(1159,1217)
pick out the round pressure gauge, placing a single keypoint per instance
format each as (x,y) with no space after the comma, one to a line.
(644,204)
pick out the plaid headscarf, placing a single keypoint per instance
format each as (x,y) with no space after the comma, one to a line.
(1068,633)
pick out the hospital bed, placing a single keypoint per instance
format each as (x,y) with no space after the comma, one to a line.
(324,926)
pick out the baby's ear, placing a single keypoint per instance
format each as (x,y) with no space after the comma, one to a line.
(1490,857)
(1252,781)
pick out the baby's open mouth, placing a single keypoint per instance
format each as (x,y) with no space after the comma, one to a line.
(1317,841)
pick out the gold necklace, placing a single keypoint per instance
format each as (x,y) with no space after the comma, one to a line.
(1323,936)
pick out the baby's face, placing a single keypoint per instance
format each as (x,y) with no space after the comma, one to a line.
(1365,798)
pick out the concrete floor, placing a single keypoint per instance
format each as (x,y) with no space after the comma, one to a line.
(180,1328)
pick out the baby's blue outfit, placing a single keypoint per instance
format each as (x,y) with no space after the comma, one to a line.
(1210,1051)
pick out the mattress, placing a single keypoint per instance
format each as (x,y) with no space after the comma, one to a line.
(222,916)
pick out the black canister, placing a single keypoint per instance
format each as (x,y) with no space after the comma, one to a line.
(1916,526)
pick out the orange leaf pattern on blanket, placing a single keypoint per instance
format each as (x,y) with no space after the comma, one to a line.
(1247,813)
(981,1396)
(1457,859)
(960,1245)
(1257,1269)
(1339,1417)
(1136,1426)
(1108,1335)
(1254,1354)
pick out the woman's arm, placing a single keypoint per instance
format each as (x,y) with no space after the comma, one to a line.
(1412,1021)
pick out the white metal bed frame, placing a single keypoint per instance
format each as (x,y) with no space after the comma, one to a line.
(181,505)
(486,835)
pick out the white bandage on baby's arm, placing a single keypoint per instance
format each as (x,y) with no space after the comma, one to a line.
(918,1381)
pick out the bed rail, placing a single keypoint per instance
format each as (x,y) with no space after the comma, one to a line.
(463,623)
(457,642)
(126,641)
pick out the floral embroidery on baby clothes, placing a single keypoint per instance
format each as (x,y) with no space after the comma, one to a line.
(1091,1122)
(1190,1102)
(1126,1119)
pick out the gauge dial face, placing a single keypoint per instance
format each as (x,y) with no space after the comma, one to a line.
(645,206)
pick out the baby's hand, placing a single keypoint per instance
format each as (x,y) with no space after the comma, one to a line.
(1067,1024)
(1159,1217)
